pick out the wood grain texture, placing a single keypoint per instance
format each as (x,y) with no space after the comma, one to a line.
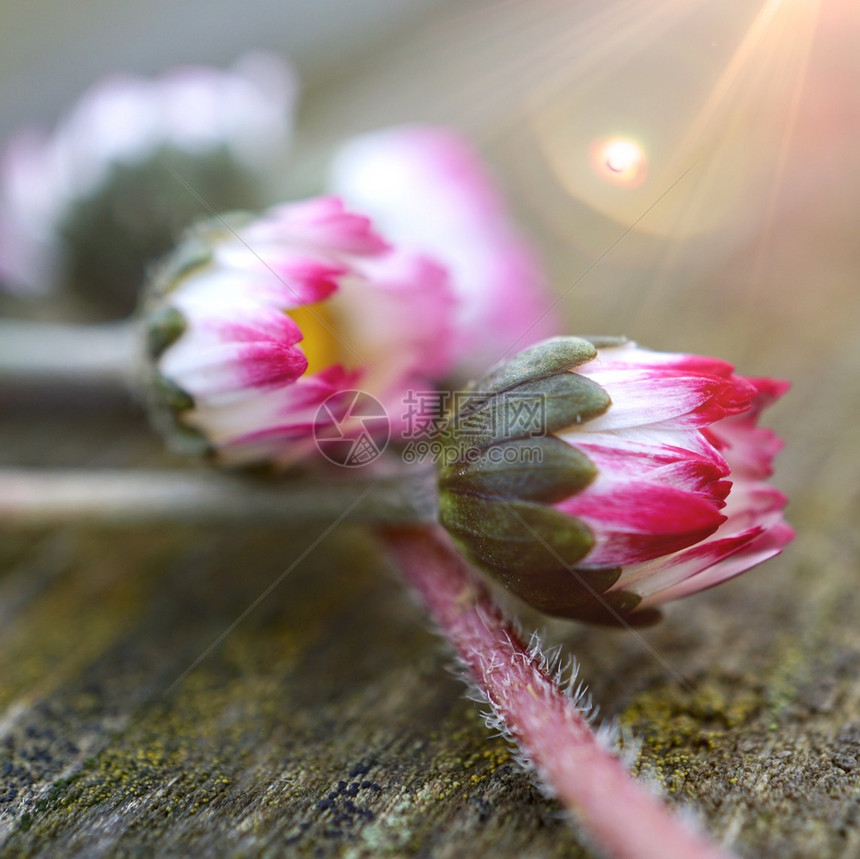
(327,723)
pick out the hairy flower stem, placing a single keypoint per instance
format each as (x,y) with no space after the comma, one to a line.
(386,493)
(82,354)
(616,812)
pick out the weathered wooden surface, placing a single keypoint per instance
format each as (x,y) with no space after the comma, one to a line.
(326,722)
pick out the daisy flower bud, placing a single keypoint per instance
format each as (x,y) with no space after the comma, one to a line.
(129,167)
(644,479)
(253,324)
(428,191)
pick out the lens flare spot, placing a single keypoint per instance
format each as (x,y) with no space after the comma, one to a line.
(620,161)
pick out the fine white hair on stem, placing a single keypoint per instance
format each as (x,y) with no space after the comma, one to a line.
(533,700)
(563,671)
(620,741)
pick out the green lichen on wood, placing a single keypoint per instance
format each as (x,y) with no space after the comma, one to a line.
(327,723)
(312,724)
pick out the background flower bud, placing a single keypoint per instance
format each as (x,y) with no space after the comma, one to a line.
(130,166)
(427,189)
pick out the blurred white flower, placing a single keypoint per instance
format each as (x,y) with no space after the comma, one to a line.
(130,165)
(427,190)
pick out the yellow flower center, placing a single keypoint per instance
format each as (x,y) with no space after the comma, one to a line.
(320,341)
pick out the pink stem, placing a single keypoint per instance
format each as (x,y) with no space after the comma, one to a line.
(616,811)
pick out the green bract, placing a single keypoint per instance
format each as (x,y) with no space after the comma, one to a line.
(507,468)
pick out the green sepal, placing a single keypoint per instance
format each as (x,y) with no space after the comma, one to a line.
(167,404)
(565,591)
(164,326)
(222,226)
(194,250)
(515,536)
(170,395)
(617,608)
(544,359)
(582,594)
(533,551)
(531,409)
(186,440)
(606,341)
(545,470)
(191,253)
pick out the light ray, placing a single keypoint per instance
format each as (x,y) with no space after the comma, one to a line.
(556,51)
(728,130)
(804,49)
(740,60)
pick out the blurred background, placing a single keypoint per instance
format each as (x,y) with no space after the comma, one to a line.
(697,126)
(689,169)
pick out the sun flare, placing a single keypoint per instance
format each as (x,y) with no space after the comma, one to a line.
(620,161)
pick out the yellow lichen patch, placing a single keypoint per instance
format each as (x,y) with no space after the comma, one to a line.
(681,729)
(782,685)
(76,617)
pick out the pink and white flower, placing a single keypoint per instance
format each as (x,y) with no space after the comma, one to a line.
(427,190)
(680,502)
(644,480)
(125,122)
(276,315)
